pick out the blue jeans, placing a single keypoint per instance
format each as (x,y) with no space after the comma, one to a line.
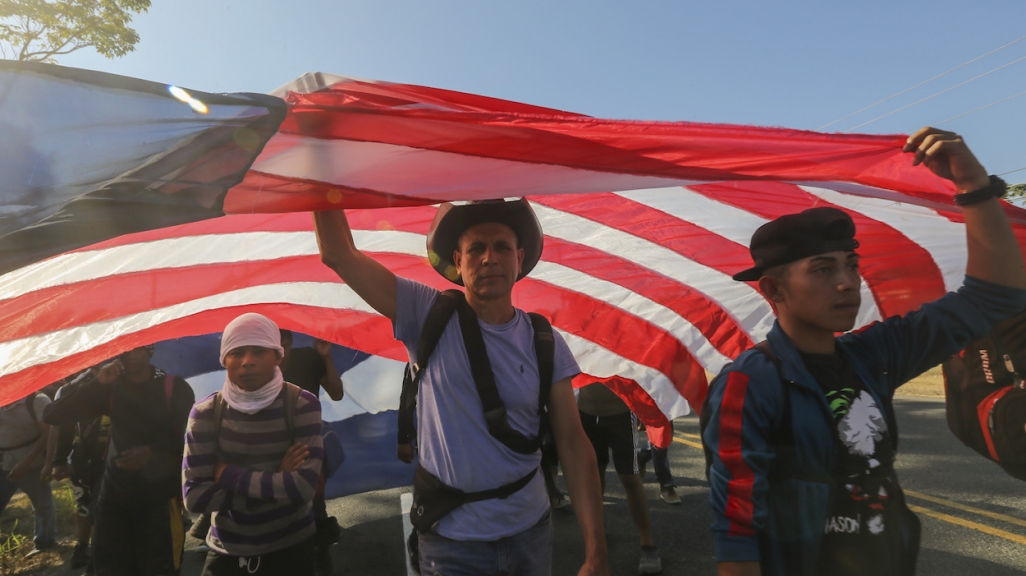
(42,504)
(528,553)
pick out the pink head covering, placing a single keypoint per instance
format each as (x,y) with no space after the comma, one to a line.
(250,329)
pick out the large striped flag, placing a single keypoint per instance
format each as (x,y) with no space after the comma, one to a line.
(644,222)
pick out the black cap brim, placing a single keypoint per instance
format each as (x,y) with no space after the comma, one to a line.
(748,275)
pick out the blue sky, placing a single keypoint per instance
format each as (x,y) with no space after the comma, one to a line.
(793,64)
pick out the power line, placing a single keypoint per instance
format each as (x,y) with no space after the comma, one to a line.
(981,108)
(920,101)
(920,83)
(1013,171)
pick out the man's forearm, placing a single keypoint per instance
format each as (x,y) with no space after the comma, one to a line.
(993,252)
(366,276)
(332,381)
(582,481)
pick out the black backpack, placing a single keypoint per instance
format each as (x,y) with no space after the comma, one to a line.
(448,303)
(985,395)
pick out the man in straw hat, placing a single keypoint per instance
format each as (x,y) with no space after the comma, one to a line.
(800,431)
(253,455)
(479,505)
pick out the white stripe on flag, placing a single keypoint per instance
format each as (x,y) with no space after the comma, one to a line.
(23,353)
(604,363)
(942,238)
(636,304)
(738,299)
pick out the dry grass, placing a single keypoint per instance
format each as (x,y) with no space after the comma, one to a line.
(16,528)
(930,383)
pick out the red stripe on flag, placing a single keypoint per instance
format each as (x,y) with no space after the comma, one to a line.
(263,192)
(900,273)
(606,326)
(716,324)
(346,327)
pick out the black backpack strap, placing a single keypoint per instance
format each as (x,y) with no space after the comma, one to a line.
(292,393)
(30,403)
(430,333)
(545,351)
(437,318)
(484,381)
(220,405)
(504,491)
(784,436)
(407,408)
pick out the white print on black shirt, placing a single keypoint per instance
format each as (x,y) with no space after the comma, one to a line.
(862,427)
(843,525)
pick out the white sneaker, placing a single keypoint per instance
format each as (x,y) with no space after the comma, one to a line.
(650,562)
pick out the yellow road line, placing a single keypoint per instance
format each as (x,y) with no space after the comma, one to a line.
(926,511)
(968,524)
(687,442)
(964,508)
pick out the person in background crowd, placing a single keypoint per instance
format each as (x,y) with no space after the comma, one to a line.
(23,439)
(801,431)
(611,426)
(660,458)
(312,369)
(138,514)
(253,458)
(76,452)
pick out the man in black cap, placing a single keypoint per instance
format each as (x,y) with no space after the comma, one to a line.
(501,524)
(800,431)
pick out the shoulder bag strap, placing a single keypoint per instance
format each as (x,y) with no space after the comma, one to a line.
(169,388)
(219,407)
(430,333)
(484,381)
(545,351)
(291,399)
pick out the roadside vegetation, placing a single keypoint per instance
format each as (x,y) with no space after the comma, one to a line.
(16,525)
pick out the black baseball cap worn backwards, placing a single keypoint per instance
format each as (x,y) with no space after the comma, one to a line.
(796,236)
(451,221)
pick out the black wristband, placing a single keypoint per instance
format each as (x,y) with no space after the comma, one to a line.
(995,189)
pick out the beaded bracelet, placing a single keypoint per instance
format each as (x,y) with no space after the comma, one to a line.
(995,189)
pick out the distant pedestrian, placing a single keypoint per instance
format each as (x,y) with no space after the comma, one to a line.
(77,454)
(23,438)
(612,427)
(138,514)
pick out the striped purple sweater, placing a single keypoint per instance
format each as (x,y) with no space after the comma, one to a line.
(257,509)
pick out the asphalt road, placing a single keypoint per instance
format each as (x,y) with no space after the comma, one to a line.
(973,515)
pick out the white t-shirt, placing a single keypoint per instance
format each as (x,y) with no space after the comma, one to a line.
(18,427)
(452,434)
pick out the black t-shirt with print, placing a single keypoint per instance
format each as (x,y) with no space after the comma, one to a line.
(862,535)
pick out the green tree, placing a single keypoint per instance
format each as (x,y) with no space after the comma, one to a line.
(42,30)
(1017,190)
